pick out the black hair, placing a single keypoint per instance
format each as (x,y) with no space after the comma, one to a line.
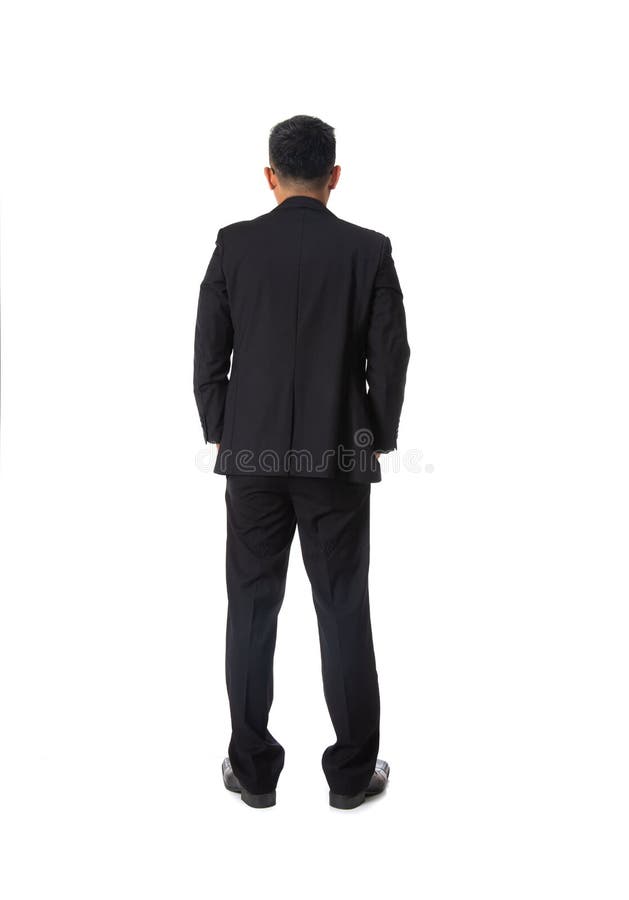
(302,149)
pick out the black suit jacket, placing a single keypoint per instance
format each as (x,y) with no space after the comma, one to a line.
(309,309)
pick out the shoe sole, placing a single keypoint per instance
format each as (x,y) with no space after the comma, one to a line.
(343,801)
(338,801)
(257,801)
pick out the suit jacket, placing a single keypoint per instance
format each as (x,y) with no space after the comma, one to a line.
(308,308)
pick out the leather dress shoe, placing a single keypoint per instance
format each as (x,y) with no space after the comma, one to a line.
(257,801)
(378,782)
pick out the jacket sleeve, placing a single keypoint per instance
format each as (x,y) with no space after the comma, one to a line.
(213,342)
(388,353)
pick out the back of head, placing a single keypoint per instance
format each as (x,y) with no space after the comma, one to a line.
(302,152)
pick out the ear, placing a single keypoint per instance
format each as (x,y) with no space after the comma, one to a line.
(334,177)
(271,178)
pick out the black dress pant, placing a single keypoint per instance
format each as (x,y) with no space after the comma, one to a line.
(333,521)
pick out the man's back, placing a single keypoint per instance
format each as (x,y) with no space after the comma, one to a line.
(312,308)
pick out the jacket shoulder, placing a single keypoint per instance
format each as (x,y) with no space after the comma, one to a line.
(361,229)
(243,225)
(369,237)
(351,233)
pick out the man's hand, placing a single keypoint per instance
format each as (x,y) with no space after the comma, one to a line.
(218,447)
(377,455)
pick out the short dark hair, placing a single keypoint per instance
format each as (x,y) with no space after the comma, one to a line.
(302,149)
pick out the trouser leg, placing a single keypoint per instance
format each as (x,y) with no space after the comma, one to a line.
(333,522)
(260,529)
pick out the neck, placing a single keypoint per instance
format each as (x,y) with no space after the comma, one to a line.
(322,196)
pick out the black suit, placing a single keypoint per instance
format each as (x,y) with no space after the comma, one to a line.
(311,307)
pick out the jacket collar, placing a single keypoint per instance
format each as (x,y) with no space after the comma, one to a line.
(303,200)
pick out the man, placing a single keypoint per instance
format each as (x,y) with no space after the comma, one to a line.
(308,309)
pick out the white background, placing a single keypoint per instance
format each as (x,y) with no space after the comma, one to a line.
(490,142)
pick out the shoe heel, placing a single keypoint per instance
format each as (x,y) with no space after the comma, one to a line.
(342,801)
(258,801)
